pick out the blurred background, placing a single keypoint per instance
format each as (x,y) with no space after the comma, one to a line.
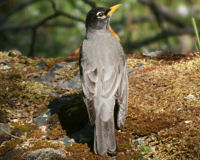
(55,28)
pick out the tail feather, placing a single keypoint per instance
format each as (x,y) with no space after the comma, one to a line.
(111,140)
(104,137)
(104,133)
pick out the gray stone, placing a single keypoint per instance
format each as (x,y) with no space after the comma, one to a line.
(57,66)
(153,54)
(190,96)
(54,107)
(133,70)
(67,140)
(139,141)
(70,84)
(4,67)
(43,118)
(42,64)
(4,128)
(153,149)
(44,154)
(50,76)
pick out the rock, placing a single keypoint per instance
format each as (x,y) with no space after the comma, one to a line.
(71,84)
(4,67)
(153,149)
(67,140)
(133,70)
(4,128)
(190,96)
(14,53)
(42,64)
(57,66)
(54,107)
(139,141)
(154,54)
(44,154)
(43,118)
(51,76)
(188,121)
(179,109)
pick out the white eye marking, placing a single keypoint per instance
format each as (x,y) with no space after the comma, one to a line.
(100,15)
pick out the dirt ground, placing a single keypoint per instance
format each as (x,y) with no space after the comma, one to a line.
(163,120)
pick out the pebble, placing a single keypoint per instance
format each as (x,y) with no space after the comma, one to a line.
(70,84)
(139,141)
(3,128)
(44,154)
(67,140)
(188,121)
(43,118)
(190,96)
(4,67)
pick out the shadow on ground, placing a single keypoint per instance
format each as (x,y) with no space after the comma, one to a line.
(73,117)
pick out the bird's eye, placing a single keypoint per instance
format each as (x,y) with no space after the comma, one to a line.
(100,14)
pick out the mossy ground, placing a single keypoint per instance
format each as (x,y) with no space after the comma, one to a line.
(158,108)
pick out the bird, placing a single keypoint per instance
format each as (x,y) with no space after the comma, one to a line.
(104,79)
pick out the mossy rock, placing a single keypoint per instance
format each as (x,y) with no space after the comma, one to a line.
(158,108)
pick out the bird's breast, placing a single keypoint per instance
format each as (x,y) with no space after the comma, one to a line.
(102,51)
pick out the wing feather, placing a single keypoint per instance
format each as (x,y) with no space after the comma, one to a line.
(122,95)
(105,81)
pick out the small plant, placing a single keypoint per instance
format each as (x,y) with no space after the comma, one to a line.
(145,149)
(196,33)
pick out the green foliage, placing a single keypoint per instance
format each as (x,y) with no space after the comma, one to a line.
(145,149)
(196,33)
(61,35)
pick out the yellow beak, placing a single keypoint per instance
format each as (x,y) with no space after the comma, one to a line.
(113,9)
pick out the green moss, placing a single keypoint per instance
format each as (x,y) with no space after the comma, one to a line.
(22,127)
(56,133)
(35,91)
(145,149)
(44,144)
(17,91)
(22,130)
(8,146)
(4,115)
(83,152)
(158,108)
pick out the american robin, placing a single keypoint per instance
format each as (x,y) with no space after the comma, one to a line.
(104,78)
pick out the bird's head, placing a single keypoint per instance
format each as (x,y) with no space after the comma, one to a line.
(99,18)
